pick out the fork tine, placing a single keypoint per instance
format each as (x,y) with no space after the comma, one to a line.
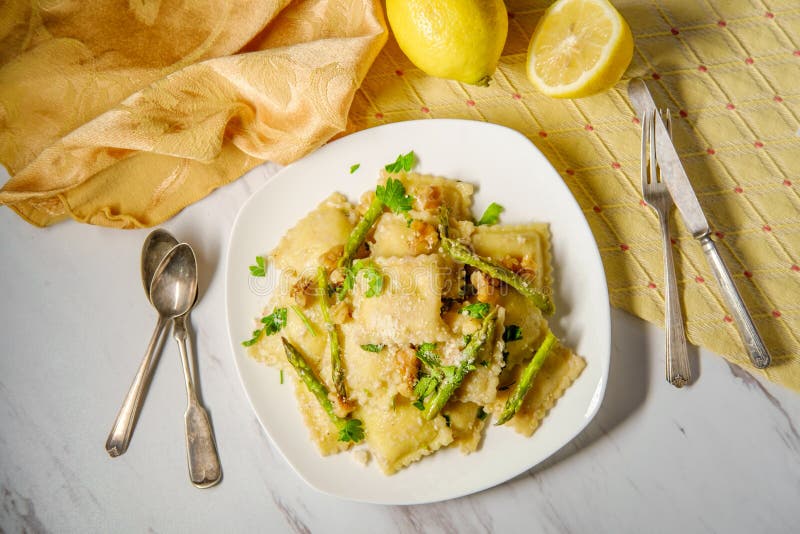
(645,123)
(652,138)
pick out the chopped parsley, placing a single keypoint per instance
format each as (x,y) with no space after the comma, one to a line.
(281,375)
(484,363)
(492,214)
(418,404)
(446,419)
(374,280)
(348,283)
(372,275)
(354,168)
(404,162)
(351,430)
(393,195)
(481,413)
(259,269)
(512,333)
(273,323)
(373,348)
(478,310)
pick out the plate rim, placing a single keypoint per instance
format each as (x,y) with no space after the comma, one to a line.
(599,390)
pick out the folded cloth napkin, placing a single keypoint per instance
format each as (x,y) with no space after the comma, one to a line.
(122,113)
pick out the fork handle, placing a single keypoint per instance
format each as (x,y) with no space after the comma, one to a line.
(678,371)
(753,343)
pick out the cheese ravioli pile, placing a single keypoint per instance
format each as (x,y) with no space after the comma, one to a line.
(421,300)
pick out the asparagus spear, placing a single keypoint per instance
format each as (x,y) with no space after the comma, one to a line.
(359,233)
(463,254)
(454,375)
(337,373)
(525,381)
(391,195)
(349,429)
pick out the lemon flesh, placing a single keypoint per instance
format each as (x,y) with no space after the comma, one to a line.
(456,39)
(579,48)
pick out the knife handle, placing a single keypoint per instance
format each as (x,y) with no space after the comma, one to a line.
(741,318)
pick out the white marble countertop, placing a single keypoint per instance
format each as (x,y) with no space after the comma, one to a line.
(722,455)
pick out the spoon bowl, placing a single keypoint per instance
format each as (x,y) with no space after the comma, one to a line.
(156,246)
(174,284)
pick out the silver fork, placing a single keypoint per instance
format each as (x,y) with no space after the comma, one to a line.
(655,193)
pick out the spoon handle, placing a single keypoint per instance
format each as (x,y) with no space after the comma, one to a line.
(120,435)
(201,448)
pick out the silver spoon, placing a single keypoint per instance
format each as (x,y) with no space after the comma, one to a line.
(173,293)
(156,246)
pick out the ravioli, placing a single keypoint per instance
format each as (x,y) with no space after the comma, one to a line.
(528,243)
(398,434)
(325,227)
(559,371)
(408,309)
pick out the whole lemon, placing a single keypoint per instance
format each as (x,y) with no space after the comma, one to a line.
(455,39)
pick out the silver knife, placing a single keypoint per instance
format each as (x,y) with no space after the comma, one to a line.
(684,197)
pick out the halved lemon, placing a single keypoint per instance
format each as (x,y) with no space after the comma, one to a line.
(579,48)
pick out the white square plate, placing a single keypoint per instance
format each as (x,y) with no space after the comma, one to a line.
(507,169)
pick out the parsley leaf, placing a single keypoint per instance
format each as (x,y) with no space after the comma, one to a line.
(394,196)
(354,168)
(272,324)
(419,405)
(478,310)
(348,283)
(492,214)
(259,269)
(253,340)
(274,321)
(373,348)
(351,430)
(446,419)
(512,333)
(372,275)
(374,280)
(481,413)
(404,162)
(427,355)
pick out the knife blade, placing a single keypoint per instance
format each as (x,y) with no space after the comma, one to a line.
(682,192)
(677,182)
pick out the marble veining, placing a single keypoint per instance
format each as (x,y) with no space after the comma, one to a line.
(721,455)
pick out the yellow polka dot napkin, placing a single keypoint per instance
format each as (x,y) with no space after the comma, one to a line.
(121,113)
(730,72)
